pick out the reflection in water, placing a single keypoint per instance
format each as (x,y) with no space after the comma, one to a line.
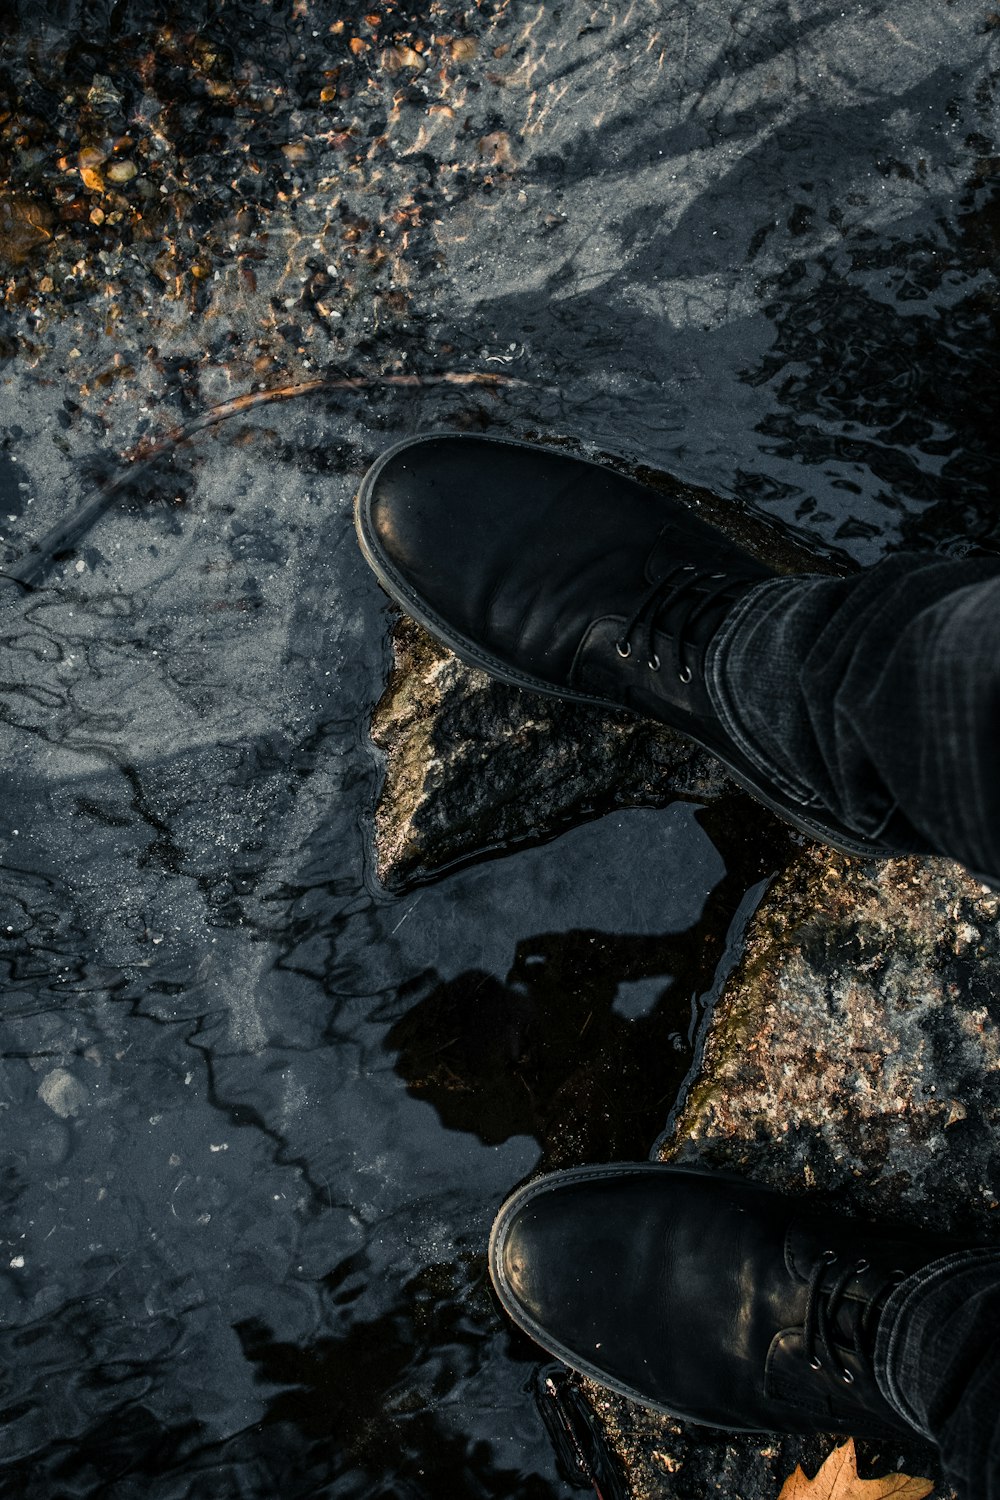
(364,1408)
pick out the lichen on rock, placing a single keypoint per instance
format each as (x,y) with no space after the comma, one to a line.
(857,1047)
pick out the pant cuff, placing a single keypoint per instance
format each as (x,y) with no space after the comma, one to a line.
(899,1358)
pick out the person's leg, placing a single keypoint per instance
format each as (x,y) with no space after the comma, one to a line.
(864,710)
(937,1361)
(879,696)
(721,1302)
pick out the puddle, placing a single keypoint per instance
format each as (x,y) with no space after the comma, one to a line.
(257,1112)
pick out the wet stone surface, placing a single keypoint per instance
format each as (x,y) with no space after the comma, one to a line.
(861,1036)
(267,1075)
(473,765)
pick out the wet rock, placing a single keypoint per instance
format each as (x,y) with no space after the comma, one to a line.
(122,171)
(664,1460)
(856,1050)
(472,764)
(103,97)
(855,1053)
(64,1094)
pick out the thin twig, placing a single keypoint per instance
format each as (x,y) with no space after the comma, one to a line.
(30,570)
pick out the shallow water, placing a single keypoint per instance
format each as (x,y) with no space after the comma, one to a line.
(257,1114)
(260,1114)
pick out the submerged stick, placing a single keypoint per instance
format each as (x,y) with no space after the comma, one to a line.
(31,569)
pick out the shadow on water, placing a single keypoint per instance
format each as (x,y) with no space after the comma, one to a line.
(351,1414)
(868,384)
(586,1041)
(364,1407)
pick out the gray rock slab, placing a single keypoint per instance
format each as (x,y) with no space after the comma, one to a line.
(856,1050)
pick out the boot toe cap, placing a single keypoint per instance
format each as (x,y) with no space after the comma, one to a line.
(504,551)
(578,1261)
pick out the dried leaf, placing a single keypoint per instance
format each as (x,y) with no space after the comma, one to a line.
(838,1480)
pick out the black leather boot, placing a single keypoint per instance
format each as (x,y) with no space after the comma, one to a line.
(706,1297)
(563,577)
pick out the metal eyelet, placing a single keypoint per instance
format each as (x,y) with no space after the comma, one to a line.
(815,1364)
(654,665)
(628,649)
(847,1377)
(830,1256)
(684,674)
(862,1265)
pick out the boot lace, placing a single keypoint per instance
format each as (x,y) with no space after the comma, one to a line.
(677,586)
(823,1305)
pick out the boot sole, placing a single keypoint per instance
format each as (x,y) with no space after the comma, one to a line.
(473,655)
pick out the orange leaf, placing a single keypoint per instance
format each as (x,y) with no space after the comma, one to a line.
(838,1480)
